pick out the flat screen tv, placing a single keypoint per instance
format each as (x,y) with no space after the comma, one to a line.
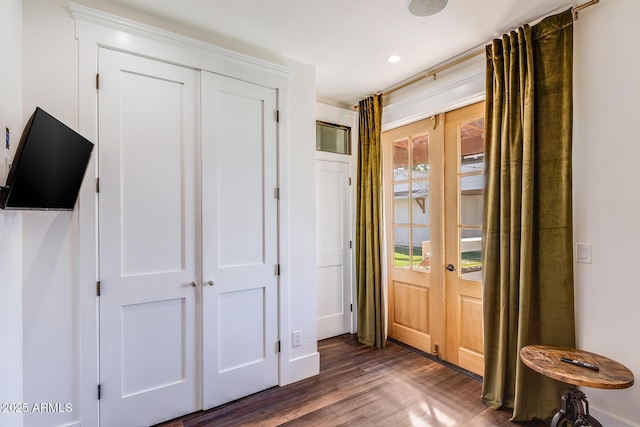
(48,166)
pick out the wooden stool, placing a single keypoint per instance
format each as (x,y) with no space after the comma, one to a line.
(574,409)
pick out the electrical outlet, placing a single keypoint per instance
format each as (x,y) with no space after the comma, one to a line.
(295,338)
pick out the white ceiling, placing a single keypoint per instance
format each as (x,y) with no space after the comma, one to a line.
(349,40)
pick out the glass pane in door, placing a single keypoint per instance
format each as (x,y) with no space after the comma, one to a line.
(420,202)
(401,160)
(420,156)
(401,203)
(402,247)
(421,248)
(471,253)
(471,200)
(470,187)
(472,146)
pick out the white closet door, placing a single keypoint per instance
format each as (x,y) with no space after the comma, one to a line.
(239,232)
(147,234)
(333,259)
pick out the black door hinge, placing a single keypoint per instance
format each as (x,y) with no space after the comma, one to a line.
(98,288)
(278,347)
(98,185)
(97,81)
(99,391)
(351,308)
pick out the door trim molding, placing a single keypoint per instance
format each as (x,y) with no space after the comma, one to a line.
(457,88)
(94,30)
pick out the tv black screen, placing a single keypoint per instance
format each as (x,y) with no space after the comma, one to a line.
(48,166)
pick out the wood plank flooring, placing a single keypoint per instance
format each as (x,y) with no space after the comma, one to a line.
(362,386)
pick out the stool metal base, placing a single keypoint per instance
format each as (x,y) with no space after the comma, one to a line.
(574,410)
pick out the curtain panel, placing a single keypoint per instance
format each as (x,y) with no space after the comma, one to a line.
(371,308)
(528,295)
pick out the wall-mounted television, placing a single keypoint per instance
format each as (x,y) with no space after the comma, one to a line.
(48,166)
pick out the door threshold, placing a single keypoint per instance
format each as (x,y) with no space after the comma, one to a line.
(450,365)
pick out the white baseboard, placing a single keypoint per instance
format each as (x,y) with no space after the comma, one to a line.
(609,420)
(305,367)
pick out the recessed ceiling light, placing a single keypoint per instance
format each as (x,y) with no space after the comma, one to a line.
(426,7)
(393,59)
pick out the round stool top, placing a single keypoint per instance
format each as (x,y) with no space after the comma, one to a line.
(545,359)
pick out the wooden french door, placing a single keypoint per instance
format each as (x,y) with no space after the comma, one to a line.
(464,156)
(433,211)
(413,179)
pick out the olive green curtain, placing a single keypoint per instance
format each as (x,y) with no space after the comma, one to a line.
(527,217)
(371,314)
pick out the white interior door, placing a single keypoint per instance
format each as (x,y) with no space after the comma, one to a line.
(333,259)
(147,235)
(239,232)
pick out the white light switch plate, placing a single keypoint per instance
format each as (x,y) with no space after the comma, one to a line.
(583,253)
(296,336)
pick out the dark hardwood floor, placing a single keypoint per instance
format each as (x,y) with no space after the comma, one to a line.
(362,386)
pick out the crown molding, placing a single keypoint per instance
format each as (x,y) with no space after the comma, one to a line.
(104,19)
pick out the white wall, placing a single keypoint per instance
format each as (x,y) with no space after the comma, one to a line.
(10,222)
(50,279)
(52,347)
(301,217)
(51,319)
(606,197)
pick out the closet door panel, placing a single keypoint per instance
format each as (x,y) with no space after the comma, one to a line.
(239,232)
(147,240)
(240,168)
